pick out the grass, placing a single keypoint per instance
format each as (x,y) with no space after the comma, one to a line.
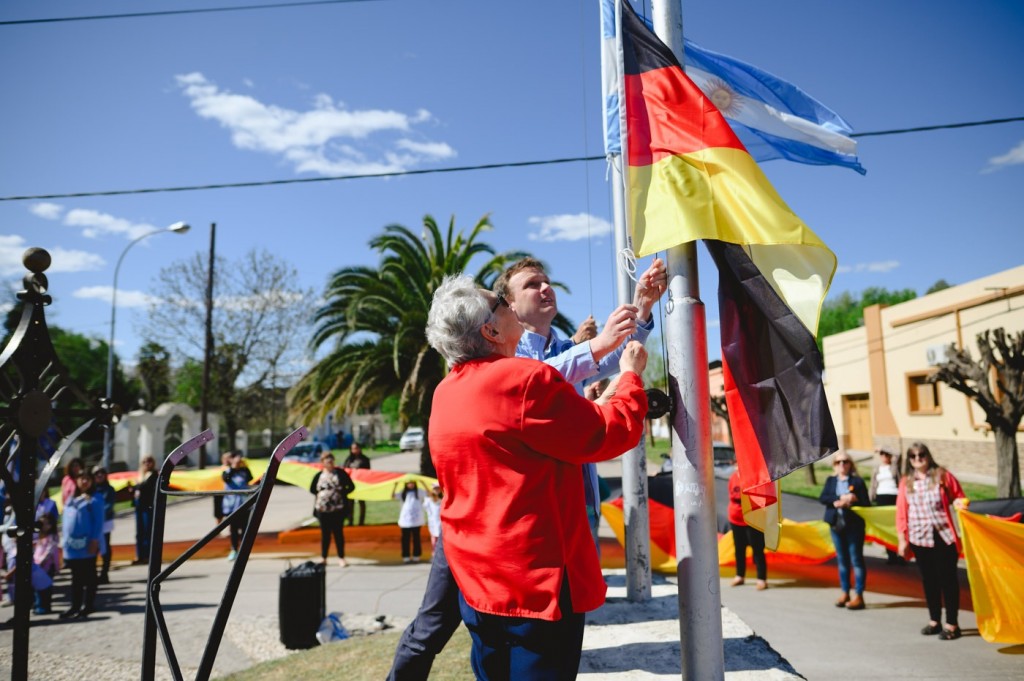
(363,657)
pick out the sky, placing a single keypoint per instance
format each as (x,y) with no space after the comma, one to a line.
(373,86)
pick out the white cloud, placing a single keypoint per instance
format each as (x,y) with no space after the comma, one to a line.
(96,224)
(12,247)
(321,140)
(1013,157)
(881,266)
(568,227)
(124,298)
(49,211)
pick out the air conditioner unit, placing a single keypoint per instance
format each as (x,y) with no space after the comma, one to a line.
(936,354)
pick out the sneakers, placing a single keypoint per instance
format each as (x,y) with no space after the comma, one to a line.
(855,603)
(415,559)
(407,559)
(68,614)
(950,634)
(342,562)
(232,555)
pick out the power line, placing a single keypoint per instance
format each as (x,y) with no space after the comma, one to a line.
(947,126)
(171,12)
(426,171)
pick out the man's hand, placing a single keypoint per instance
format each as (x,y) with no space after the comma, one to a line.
(621,323)
(649,287)
(585,331)
(634,358)
(608,392)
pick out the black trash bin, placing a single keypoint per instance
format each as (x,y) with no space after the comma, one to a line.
(302,604)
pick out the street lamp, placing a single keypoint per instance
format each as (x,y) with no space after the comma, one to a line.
(177,228)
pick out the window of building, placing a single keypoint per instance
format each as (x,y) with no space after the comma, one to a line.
(922,396)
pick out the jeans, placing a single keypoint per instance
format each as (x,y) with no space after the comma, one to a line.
(513,648)
(436,621)
(850,552)
(143,532)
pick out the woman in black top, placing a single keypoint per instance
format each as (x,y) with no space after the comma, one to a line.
(331,485)
(842,491)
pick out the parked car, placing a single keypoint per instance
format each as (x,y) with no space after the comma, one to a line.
(411,439)
(723,459)
(306,452)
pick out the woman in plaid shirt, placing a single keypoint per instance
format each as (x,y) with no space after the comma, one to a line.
(925,527)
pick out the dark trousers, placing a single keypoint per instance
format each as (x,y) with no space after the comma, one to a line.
(513,648)
(83,582)
(105,565)
(352,512)
(143,532)
(237,529)
(44,599)
(411,535)
(332,525)
(941,578)
(436,621)
(742,537)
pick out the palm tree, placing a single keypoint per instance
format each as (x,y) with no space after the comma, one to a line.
(376,319)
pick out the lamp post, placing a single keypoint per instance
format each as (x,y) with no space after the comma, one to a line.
(177,228)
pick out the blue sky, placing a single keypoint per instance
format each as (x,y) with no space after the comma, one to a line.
(382,85)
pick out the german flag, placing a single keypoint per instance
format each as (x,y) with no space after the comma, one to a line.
(689,177)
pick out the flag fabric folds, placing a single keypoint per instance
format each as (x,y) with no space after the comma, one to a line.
(994,549)
(771,117)
(688,176)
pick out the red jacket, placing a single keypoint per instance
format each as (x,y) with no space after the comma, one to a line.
(507,436)
(949,488)
(735,503)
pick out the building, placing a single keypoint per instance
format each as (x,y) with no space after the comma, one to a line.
(876,375)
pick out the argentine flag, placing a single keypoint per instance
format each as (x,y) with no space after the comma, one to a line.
(772,118)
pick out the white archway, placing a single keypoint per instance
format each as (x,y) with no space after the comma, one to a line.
(141,432)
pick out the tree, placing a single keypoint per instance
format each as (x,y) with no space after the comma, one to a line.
(259,321)
(375,318)
(845,311)
(940,285)
(154,373)
(996,383)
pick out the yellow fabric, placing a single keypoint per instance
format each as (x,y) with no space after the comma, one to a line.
(385,491)
(879,524)
(767,519)
(994,550)
(808,542)
(721,193)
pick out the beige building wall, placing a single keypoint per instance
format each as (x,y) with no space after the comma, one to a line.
(890,357)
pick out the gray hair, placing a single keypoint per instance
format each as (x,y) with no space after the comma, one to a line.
(458,312)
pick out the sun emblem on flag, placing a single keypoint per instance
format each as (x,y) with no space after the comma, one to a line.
(722,96)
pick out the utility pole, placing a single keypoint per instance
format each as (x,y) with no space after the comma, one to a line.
(208,350)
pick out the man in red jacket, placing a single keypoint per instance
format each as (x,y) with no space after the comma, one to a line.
(508,436)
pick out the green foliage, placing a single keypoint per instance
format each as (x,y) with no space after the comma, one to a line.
(154,373)
(846,311)
(375,321)
(940,285)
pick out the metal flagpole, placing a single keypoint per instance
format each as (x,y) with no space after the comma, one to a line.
(700,599)
(636,519)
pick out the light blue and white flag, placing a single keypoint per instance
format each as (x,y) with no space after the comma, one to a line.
(773,118)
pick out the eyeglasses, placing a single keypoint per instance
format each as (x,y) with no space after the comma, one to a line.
(501,301)
(840,462)
(917,455)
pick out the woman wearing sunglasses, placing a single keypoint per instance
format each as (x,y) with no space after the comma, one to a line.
(925,527)
(843,490)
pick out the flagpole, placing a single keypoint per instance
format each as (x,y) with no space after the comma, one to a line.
(636,519)
(700,600)
(635,510)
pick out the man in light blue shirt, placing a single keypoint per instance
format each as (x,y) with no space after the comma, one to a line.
(525,288)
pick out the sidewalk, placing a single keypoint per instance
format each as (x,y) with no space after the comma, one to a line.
(622,641)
